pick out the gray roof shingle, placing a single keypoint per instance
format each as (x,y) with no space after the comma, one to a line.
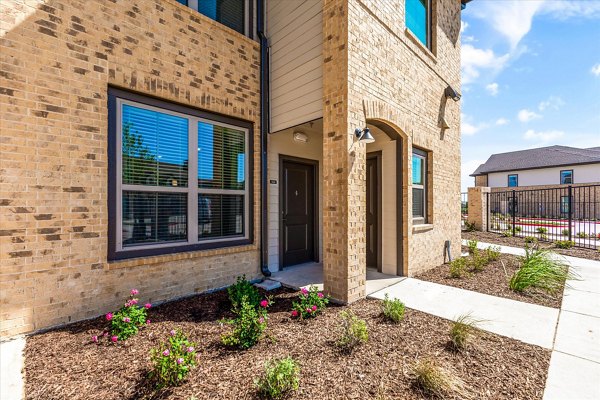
(552,156)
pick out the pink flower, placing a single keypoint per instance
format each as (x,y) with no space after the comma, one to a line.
(126,319)
(172,332)
(190,349)
(314,308)
(304,291)
(261,320)
(147,321)
(294,313)
(109,316)
(133,301)
(308,310)
(114,339)
(95,339)
(320,295)
(148,305)
(105,334)
(180,361)
(264,303)
(166,353)
(134,292)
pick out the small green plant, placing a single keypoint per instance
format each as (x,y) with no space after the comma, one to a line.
(310,303)
(472,245)
(530,239)
(462,331)
(458,267)
(564,244)
(353,331)
(565,232)
(518,229)
(172,360)
(435,380)
(469,226)
(544,237)
(478,261)
(279,379)
(126,322)
(248,325)
(582,235)
(540,269)
(492,253)
(541,229)
(392,310)
(243,289)
(507,233)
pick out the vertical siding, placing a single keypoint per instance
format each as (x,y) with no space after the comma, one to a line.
(295,31)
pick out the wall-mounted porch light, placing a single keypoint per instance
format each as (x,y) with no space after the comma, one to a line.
(300,137)
(451,93)
(364,135)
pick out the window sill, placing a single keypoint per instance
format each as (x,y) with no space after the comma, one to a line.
(420,45)
(422,228)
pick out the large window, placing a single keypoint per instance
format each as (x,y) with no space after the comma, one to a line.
(231,13)
(418,20)
(181,179)
(419,186)
(566,177)
(513,180)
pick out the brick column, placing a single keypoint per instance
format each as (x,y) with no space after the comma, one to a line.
(478,207)
(344,257)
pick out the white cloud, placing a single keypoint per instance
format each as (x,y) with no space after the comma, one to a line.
(473,60)
(596,69)
(543,137)
(467,168)
(468,127)
(527,115)
(463,26)
(553,103)
(502,121)
(492,88)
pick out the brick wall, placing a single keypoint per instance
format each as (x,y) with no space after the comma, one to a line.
(481,180)
(58,58)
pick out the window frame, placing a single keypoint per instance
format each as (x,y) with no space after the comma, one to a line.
(508,180)
(428,21)
(116,250)
(248,12)
(561,176)
(563,203)
(423,155)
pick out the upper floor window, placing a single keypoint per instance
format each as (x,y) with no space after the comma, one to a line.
(418,20)
(566,177)
(180,179)
(231,13)
(513,180)
(419,186)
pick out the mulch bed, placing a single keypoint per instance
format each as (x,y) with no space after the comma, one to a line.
(490,237)
(493,280)
(63,364)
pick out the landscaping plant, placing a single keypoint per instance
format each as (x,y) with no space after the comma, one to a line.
(126,322)
(435,380)
(469,226)
(582,235)
(248,324)
(172,360)
(507,233)
(541,229)
(392,310)
(462,331)
(472,245)
(279,379)
(530,239)
(458,267)
(492,253)
(353,331)
(243,289)
(310,303)
(478,261)
(540,269)
(564,244)
(565,232)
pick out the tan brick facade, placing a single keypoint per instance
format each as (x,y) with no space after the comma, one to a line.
(58,59)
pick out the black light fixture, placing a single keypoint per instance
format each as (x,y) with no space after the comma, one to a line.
(451,93)
(364,135)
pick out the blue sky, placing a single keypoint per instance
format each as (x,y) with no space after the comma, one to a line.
(531,77)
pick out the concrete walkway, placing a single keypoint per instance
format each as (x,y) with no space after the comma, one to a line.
(11,366)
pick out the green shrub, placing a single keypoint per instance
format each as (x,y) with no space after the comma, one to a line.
(462,331)
(435,380)
(248,325)
(310,303)
(392,310)
(458,267)
(353,331)
(565,232)
(518,229)
(472,245)
(540,269)
(582,235)
(279,379)
(469,226)
(564,244)
(530,239)
(541,229)
(126,322)
(492,253)
(507,233)
(172,360)
(544,237)
(243,289)
(478,261)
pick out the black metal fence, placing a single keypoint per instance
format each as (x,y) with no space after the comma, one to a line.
(464,207)
(570,213)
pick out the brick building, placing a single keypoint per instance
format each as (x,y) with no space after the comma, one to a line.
(174,145)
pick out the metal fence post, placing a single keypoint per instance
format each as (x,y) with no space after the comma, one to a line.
(514,213)
(570,197)
(487,212)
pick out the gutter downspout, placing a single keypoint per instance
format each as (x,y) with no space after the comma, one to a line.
(264,131)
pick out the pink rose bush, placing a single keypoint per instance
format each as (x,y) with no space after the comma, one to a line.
(126,322)
(172,360)
(310,303)
(248,325)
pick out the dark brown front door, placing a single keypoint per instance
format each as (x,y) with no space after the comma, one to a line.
(373,209)
(297,213)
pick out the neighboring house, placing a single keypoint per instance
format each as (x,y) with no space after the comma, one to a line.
(546,167)
(174,145)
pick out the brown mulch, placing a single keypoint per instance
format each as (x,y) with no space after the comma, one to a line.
(490,237)
(493,280)
(63,364)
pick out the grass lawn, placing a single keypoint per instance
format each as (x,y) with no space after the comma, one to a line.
(65,364)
